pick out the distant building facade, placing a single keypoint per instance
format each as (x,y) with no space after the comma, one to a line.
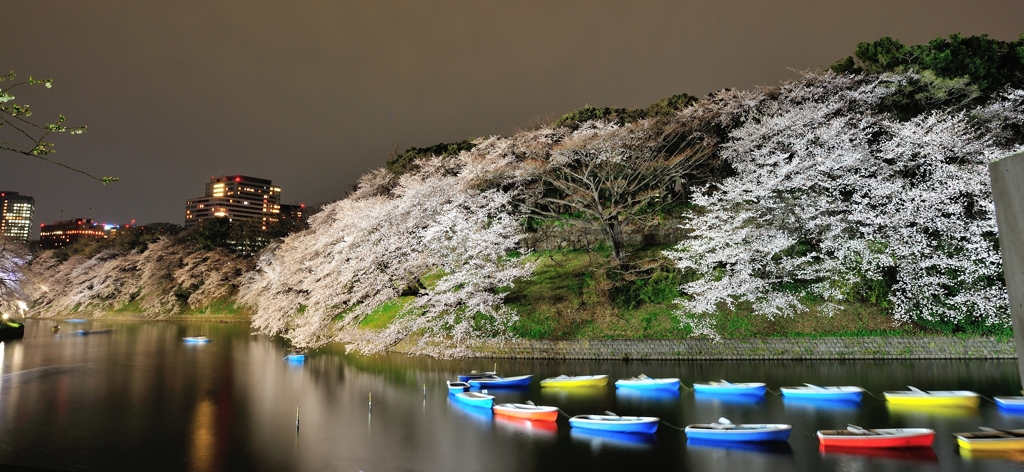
(16,212)
(236,198)
(294,213)
(65,232)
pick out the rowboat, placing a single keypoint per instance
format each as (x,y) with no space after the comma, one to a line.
(295,357)
(728,388)
(478,399)
(989,439)
(615,423)
(476,375)
(196,339)
(74,320)
(725,430)
(527,411)
(1014,404)
(814,392)
(534,428)
(918,397)
(495,381)
(855,436)
(643,382)
(457,387)
(575,381)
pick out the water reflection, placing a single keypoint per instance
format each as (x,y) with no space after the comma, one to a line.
(802,404)
(913,454)
(768,447)
(726,399)
(547,430)
(917,412)
(140,399)
(609,439)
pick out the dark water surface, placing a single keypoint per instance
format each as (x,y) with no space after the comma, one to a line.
(137,398)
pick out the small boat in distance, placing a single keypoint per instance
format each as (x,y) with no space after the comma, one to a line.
(643,382)
(495,381)
(567,381)
(615,423)
(855,436)
(723,387)
(527,411)
(476,399)
(457,387)
(943,398)
(476,375)
(1014,404)
(989,439)
(196,339)
(295,356)
(814,392)
(725,430)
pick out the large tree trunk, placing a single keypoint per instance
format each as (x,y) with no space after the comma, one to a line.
(614,230)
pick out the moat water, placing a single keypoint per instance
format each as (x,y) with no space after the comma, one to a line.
(137,398)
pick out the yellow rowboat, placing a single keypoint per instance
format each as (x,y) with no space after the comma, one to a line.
(989,439)
(918,397)
(565,381)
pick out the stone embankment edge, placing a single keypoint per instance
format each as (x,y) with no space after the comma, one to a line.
(748,349)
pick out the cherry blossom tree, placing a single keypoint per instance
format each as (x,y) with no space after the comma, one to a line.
(831,198)
(323,284)
(13,256)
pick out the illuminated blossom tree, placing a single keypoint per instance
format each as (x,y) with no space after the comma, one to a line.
(833,200)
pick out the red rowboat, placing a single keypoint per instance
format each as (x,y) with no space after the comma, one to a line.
(527,411)
(855,436)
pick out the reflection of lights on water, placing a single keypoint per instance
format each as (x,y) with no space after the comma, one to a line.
(204,444)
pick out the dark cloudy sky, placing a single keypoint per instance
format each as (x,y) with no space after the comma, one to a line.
(311,93)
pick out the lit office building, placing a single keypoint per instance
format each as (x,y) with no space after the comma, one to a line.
(237,198)
(16,217)
(65,232)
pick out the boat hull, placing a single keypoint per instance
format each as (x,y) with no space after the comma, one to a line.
(520,381)
(484,401)
(571,382)
(911,439)
(734,389)
(477,375)
(933,400)
(648,384)
(1001,444)
(539,414)
(739,435)
(1015,404)
(822,395)
(457,387)
(640,425)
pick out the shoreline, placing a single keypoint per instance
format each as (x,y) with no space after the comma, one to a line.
(782,348)
(862,348)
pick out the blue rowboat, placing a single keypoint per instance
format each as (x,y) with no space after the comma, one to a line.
(476,375)
(643,382)
(814,392)
(457,387)
(196,339)
(477,399)
(615,423)
(495,381)
(296,357)
(728,388)
(74,320)
(725,430)
(1014,404)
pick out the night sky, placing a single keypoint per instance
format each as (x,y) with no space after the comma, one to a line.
(313,93)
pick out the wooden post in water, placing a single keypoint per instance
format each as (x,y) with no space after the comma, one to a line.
(1008,193)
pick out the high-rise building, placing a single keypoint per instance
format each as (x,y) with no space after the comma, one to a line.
(16,217)
(64,232)
(237,198)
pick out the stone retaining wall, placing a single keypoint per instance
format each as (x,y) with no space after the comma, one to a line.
(550,237)
(768,348)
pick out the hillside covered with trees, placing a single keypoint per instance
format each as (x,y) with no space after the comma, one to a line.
(849,201)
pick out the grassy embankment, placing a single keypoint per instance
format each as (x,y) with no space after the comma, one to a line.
(574,295)
(220,308)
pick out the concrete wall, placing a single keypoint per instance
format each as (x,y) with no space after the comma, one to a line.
(1008,193)
(742,349)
